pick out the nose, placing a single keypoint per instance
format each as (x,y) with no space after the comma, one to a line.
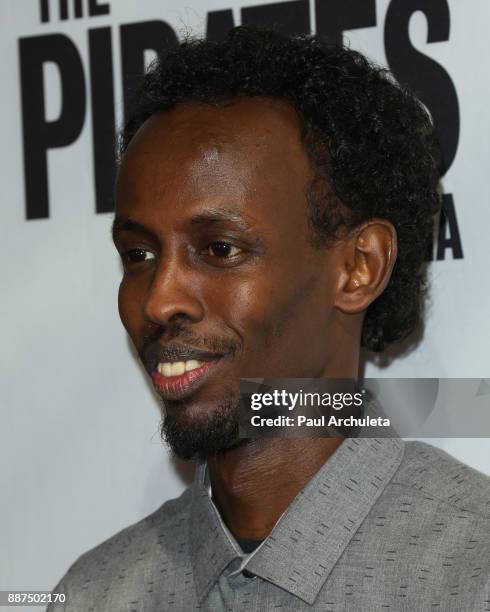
(172,295)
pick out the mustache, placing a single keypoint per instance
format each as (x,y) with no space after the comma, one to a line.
(182,346)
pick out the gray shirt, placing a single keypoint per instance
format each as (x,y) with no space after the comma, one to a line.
(383,525)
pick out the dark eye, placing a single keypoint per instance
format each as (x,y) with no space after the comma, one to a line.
(136,256)
(224,250)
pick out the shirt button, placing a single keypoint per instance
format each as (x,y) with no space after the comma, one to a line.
(248,574)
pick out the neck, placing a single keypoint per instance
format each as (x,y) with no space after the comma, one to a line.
(255,482)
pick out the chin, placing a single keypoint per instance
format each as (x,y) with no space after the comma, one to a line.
(200,430)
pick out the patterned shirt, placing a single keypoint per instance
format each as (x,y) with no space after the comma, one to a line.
(384,525)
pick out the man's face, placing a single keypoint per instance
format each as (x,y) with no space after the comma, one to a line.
(221,281)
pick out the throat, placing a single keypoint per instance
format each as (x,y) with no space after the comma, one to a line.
(253,484)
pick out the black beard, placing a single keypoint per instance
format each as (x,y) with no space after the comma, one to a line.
(203,436)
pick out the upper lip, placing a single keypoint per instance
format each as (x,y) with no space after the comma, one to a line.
(184,353)
(176,352)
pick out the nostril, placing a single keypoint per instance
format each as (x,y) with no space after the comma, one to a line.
(163,311)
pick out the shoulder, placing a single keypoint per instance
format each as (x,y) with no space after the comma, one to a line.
(124,557)
(132,541)
(432,473)
(428,532)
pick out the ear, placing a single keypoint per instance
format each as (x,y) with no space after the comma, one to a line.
(369,256)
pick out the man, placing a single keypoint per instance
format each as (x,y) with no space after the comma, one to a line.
(274,204)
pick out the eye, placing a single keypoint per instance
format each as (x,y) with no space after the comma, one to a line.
(223,250)
(134,256)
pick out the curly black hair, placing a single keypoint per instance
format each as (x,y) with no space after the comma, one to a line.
(370,142)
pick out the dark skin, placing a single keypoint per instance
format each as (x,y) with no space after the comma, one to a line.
(216,200)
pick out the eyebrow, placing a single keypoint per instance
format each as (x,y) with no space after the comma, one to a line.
(216,215)
(206,218)
(127,225)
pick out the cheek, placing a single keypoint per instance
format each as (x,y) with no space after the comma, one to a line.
(129,303)
(285,326)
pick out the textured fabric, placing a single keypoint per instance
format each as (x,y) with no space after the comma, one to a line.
(384,525)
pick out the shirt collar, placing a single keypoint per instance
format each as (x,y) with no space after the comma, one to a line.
(311,535)
(212,547)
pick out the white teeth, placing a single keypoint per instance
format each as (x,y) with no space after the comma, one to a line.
(177,368)
(192,364)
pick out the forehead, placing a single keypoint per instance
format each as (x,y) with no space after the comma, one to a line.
(247,154)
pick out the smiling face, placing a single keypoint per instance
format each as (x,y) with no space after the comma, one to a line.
(221,280)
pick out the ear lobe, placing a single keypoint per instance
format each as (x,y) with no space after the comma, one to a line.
(370,257)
